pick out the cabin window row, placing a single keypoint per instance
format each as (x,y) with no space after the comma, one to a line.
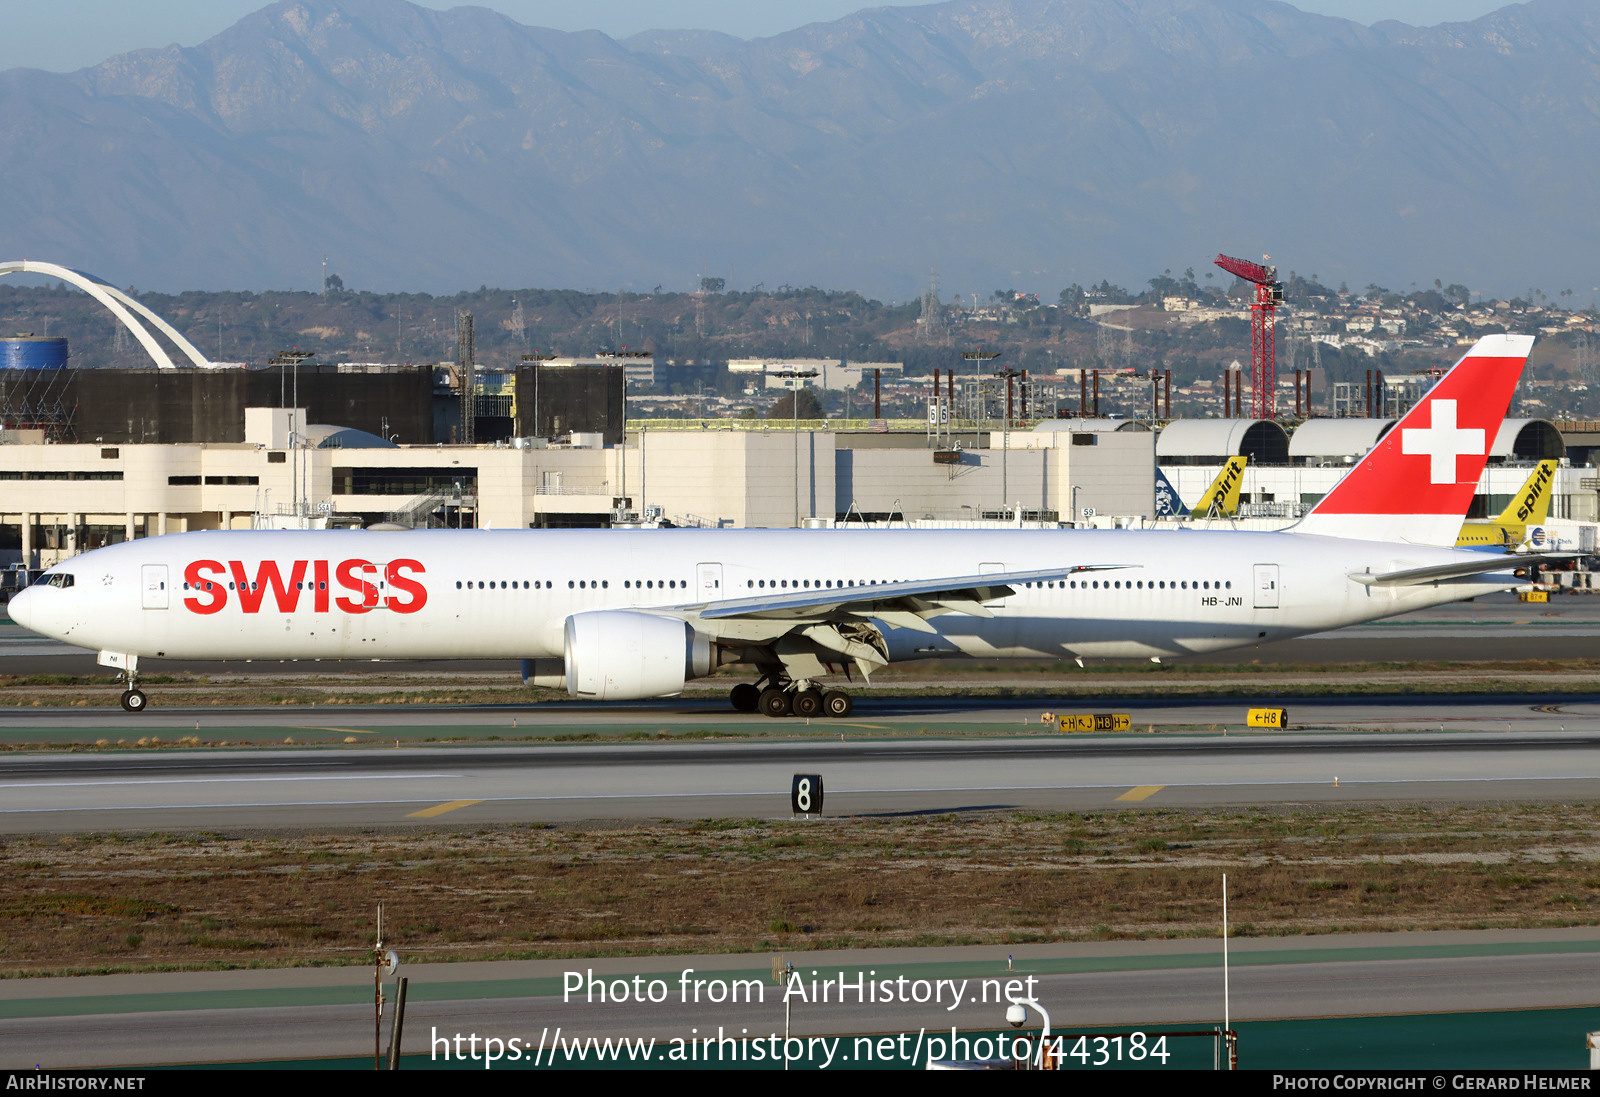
(573,584)
(810,583)
(1134,584)
(501,584)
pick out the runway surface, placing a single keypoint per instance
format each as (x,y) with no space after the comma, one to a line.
(874,717)
(865,772)
(302,1014)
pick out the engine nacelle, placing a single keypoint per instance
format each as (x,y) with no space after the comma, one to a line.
(624,655)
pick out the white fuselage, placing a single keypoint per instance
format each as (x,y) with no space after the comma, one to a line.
(452,594)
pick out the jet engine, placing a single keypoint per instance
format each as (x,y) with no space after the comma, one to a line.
(624,655)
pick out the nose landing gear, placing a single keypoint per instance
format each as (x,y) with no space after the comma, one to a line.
(133,698)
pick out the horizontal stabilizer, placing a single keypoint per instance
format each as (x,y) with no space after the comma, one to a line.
(1411,577)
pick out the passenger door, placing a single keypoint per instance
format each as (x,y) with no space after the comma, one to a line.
(708,582)
(153,578)
(1266,584)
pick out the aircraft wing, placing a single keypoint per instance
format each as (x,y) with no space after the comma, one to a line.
(811,630)
(954,594)
(1411,577)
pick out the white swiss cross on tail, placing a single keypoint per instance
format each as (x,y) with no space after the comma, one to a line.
(1443,441)
(1416,484)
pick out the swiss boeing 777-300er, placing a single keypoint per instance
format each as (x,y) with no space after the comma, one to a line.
(613,615)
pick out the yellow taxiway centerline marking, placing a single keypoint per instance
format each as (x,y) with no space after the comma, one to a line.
(342,731)
(440,809)
(1141,792)
(875,727)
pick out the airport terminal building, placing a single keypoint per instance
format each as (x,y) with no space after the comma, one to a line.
(93,457)
(288,470)
(60,499)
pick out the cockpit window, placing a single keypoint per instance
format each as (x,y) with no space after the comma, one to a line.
(60,579)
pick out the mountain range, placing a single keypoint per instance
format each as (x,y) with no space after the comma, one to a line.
(1005,143)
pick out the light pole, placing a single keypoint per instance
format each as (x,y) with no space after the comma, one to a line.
(296,435)
(795,379)
(534,362)
(1010,376)
(979,358)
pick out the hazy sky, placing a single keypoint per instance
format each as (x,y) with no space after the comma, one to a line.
(64,35)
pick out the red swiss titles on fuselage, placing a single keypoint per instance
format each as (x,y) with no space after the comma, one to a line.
(211,581)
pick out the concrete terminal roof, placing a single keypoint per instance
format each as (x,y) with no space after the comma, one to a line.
(326,436)
(1188,441)
(1529,440)
(1085,426)
(1261,440)
(1517,439)
(1337,437)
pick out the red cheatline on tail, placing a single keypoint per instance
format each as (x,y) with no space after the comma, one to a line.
(1416,484)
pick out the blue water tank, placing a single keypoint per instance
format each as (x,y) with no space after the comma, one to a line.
(33,352)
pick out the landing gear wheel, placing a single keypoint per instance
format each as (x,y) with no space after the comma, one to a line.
(775,702)
(744,697)
(808,702)
(133,700)
(837,703)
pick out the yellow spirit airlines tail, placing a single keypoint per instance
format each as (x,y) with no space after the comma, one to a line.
(1221,499)
(1529,507)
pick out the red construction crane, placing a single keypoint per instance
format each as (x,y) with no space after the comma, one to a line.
(1263,346)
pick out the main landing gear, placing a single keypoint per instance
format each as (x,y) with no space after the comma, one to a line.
(791,699)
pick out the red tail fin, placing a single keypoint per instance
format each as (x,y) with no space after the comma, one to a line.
(1416,484)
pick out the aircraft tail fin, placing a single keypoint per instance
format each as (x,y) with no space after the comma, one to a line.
(1531,505)
(1221,499)
(1417,483)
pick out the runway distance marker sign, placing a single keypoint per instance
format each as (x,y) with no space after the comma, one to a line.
(805,794)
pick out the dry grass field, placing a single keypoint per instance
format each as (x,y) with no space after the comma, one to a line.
(121,902)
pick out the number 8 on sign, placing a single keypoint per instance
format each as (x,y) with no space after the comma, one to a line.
(805,795)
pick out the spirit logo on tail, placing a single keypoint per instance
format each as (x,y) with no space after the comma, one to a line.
(1222,498)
